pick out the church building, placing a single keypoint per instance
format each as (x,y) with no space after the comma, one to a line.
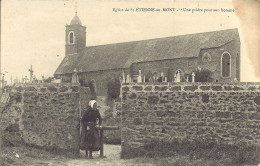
(168,59)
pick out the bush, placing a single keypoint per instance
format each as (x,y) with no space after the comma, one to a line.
(201,76)
(48,80)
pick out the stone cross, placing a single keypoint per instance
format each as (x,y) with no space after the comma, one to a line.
(187,79)
(162,74)
(178,76)
(127,78)
(123,77)
(11,80)
(139,78)
(31,73)
(175,76)
(193,77)
(75,78)
(25,79)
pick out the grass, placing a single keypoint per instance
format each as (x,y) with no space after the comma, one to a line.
(197,152)
(178,153)
(181,160)
(26,156)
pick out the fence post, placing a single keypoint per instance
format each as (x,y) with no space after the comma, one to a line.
(101,143)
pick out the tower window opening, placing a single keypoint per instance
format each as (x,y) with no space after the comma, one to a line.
(71,38)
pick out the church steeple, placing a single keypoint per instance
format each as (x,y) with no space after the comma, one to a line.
(75,36)
(76,20)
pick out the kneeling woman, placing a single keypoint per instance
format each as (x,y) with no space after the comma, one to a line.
(91,120)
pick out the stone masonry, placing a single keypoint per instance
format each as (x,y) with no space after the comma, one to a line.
(44,115)
(223,112)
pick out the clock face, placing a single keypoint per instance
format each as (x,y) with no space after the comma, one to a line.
(206,57)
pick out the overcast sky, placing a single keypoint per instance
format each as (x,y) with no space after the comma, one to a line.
(33,32)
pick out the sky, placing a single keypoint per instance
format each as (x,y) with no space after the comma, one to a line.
(33,31)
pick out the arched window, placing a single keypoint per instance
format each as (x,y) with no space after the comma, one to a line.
(148,76)
(71,38)
(155,76)
(178,76)
(225,64)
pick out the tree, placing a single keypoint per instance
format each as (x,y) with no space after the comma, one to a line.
(113,88)
(92,87)
(48,80)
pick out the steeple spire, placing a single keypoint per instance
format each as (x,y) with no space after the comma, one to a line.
(76,19)
(76,8)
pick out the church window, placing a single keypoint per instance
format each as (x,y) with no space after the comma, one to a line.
(155,76)
(206,57)
(225,64)
(71,38)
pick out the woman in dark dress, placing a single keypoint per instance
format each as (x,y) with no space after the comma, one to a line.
(90,120)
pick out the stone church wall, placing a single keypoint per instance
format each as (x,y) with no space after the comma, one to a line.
(168,67)
(101,78)
(223,112)
(44,115)
(215,64)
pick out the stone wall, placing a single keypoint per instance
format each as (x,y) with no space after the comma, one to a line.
(223,112)
(44,115)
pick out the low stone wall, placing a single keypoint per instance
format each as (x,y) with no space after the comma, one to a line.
(222,112)
(44,115)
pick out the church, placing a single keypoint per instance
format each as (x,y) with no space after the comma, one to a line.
(169,59)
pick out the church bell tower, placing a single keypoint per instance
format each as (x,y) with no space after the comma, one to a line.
(75,38)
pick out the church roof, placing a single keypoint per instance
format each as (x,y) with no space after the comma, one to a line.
(122,55)
(75,20)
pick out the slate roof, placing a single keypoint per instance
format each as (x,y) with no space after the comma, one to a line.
(75,20)
(122,55)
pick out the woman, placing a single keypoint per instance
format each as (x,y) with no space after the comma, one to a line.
(90,120)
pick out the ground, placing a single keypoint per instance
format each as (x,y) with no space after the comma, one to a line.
(112,158)
(24,156)
(28,156)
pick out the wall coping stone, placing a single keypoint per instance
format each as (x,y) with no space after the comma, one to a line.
(200,87)
(42,84)
(193,83)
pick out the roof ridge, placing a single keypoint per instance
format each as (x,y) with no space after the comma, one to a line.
(162,37)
